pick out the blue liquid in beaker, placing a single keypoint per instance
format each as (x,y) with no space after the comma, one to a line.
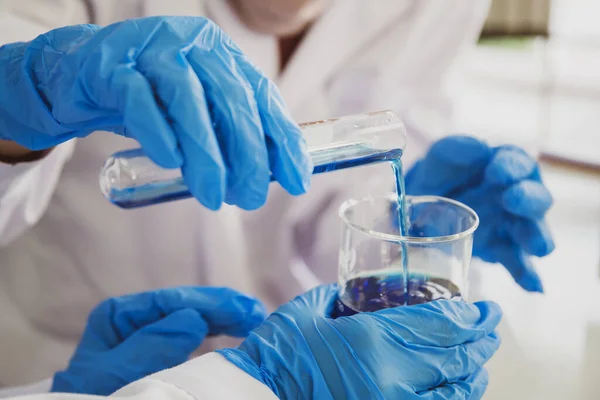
(371,293)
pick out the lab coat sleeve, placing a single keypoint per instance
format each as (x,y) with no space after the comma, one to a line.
(209,377)
(26,188)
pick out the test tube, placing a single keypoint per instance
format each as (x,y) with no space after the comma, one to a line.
(437,249)
(129,179)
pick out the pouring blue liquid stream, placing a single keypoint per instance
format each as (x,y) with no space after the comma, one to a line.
(403,223)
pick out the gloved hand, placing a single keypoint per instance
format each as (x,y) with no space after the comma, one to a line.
(178,85)
(427,351)
(503,185)
(130,337)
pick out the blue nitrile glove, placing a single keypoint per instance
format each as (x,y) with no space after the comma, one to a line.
(428,351)
(178,85)
(130,337)
(503,185)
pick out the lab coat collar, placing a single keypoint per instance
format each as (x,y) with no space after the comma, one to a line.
(343,31)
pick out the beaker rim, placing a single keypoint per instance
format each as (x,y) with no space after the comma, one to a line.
(348,204)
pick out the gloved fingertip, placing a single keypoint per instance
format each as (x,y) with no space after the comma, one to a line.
(301,188)
(542,248)
(208,189)
(539,242)
(461,150)
(298,187)
(494,335)
(539,289)
(491,313)
(546,247)
(254,310)
(531,283)
(184,321)
(528,199)
(190,316)
(510,164)
(251,312)
(512,199)
(212,204)
(305,164)
(550,247)
(251,200)
(297,181)
(306,174)
(493,341)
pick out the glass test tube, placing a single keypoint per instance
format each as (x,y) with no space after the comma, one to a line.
(129,179)
(439,245)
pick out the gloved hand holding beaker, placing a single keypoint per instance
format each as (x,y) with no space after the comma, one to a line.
(503,185)
(177,85)
(428,351)
(130,337)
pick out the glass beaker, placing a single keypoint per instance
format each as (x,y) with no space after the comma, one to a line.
(438,250)
(130,179)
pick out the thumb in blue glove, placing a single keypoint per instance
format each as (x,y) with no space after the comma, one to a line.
(503,185)
(428,351)
(130,337)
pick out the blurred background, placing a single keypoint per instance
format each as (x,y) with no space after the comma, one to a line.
(537,68)
(534,80)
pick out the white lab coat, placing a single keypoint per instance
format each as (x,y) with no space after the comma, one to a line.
(208,377)
(65,248)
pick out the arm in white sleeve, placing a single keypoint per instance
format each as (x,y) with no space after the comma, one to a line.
(26,188)
(209,377)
